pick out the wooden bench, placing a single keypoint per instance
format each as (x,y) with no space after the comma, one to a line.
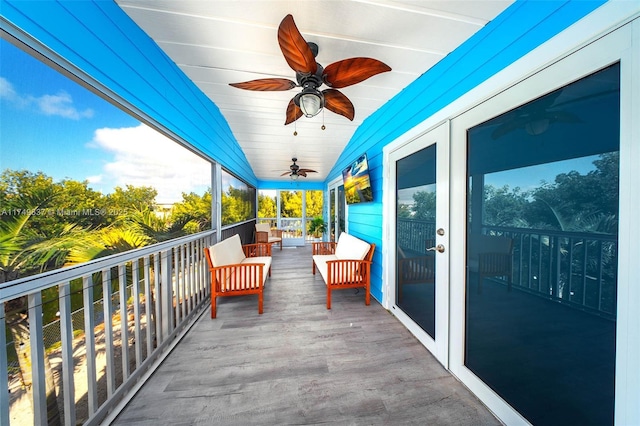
(345,264)
(238,270)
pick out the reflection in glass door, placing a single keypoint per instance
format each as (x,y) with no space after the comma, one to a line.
(421,238)
(332,215)
(342,207)
(416,236)
(542,252)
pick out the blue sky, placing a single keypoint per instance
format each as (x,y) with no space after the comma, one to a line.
(51,124)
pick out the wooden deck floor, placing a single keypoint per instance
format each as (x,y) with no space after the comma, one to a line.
(299,363)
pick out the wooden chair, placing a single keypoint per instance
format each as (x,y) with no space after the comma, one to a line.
(264,234)
(491,256)
(415,270)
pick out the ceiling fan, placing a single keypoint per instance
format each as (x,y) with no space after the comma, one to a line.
(535,117)
(300,55)
(295,171)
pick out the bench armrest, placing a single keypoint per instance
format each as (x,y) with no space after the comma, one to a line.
(324,247)
(257,250)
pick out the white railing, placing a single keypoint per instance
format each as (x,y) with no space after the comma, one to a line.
(150,297)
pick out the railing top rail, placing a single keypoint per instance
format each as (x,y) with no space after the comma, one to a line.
(20,287)
(554,232)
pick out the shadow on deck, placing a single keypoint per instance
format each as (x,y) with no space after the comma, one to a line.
(299,363)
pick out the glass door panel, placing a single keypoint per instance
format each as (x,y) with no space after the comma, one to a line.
(421,298)
(416,236)
(332,215)
(542,252)
(341,216)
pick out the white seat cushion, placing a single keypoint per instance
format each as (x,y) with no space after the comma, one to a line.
(227,252)
(266,260)
(263,227)
(350,247)
(321,264)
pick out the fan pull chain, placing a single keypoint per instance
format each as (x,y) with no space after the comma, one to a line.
(323,126)
(295,128)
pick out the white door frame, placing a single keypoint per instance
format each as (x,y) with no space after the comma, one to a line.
(438,135)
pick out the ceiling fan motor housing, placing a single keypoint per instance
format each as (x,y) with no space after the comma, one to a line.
(310,100)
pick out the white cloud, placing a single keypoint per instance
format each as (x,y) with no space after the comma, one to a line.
(94,179)
(6,89)
(145,157)
(59,105)
(8,92)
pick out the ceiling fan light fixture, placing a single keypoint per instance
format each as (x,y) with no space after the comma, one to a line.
(537,127)
(294,176)
(310,104)
(310,101)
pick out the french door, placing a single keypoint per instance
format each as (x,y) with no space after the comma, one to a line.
(337,210)
(420,254)
(542,337)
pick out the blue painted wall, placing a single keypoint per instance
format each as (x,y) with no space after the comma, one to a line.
(102,41)
(518,30)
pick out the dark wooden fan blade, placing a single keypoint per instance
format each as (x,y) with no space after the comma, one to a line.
(294,47)
(285,173)
(266,84)
(351,71)
(306,171)
(301,173)
(337,102)
(293,112)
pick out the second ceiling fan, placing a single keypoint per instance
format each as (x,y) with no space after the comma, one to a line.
(295,171)
(300,55)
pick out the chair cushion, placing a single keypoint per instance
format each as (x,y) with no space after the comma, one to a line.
(227,252)
(263,227)
(266,260)
(350,247)
(321,264)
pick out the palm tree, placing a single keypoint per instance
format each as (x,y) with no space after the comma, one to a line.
(16,246)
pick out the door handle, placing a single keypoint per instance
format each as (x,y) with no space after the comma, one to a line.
(439,248)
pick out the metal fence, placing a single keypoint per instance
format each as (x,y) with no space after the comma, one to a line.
(155,294)
(52,334)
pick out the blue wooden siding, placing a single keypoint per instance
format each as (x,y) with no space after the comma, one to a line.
(103,42)
(518,30)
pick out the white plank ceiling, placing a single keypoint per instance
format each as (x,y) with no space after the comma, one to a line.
(220,42)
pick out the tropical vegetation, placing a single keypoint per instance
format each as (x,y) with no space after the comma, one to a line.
(45,225)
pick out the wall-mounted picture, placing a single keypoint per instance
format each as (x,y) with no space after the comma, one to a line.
(357,184)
